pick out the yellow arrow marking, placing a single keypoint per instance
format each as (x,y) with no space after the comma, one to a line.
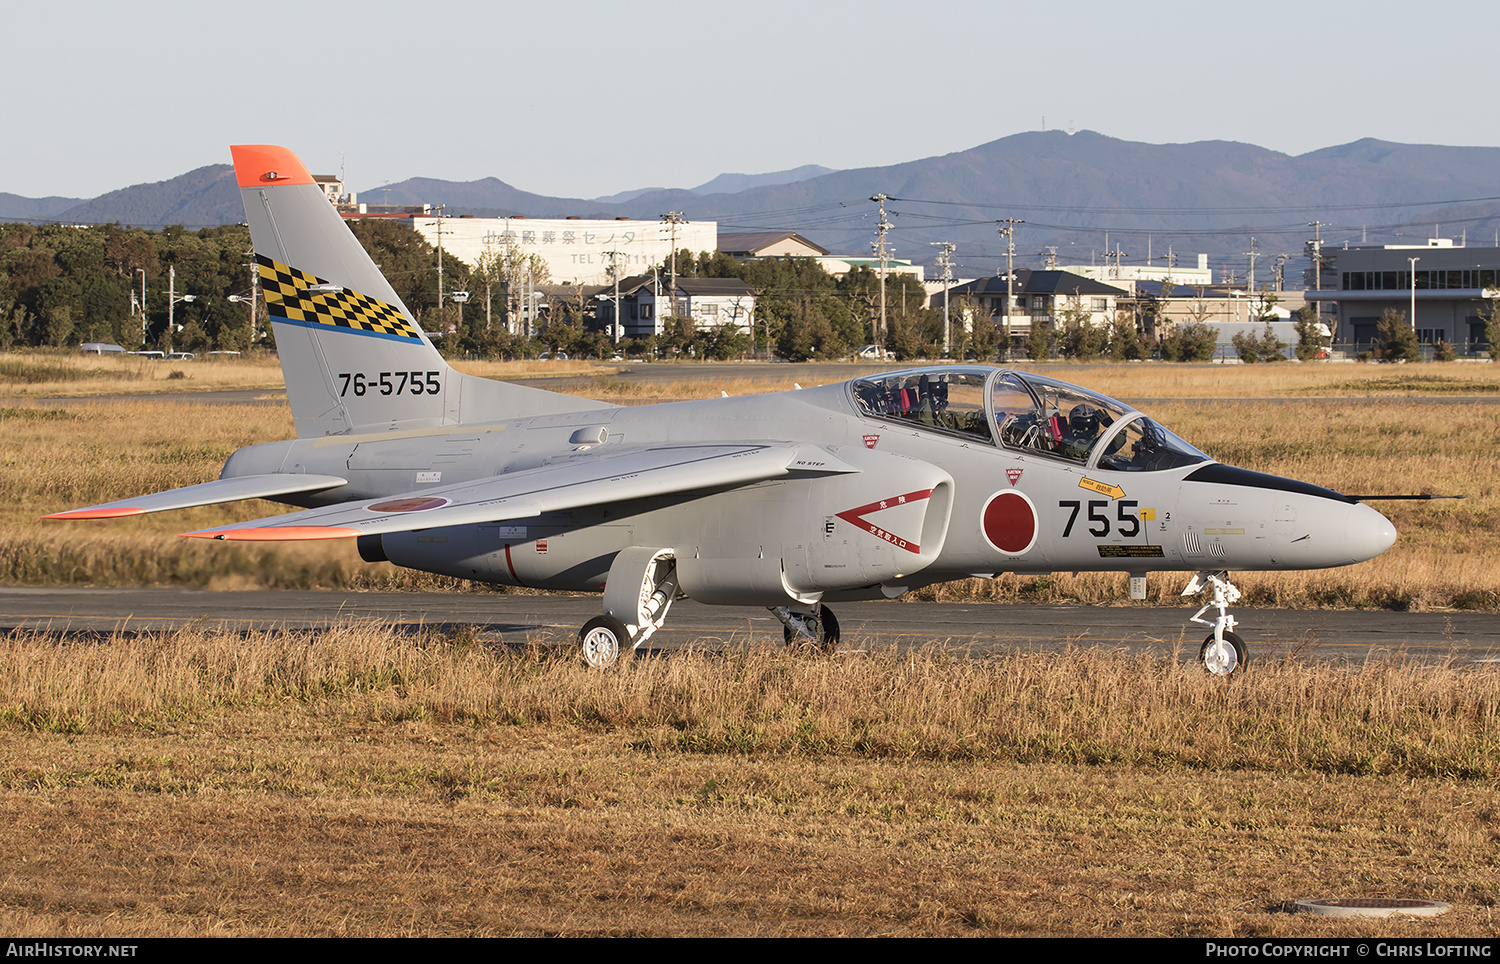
(1103,488)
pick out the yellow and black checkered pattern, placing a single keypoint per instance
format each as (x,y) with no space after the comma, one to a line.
(287,297)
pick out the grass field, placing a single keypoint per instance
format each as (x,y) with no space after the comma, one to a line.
(365,782)
(359,782)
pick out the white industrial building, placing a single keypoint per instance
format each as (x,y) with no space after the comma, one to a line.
(576,251)
(1175,274)
(1450,285)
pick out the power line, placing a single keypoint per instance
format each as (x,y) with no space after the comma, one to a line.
(1197,210)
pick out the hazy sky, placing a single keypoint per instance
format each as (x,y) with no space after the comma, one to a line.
(583,98)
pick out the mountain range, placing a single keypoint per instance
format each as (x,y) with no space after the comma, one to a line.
(1080,194)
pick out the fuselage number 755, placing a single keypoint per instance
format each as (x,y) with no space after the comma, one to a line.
(1129,526)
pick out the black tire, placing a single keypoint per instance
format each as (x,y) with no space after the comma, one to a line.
(602,640)
(1237,645)
(828,634)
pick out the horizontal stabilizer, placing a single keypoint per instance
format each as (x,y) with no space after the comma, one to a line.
(208,493)
(637,474)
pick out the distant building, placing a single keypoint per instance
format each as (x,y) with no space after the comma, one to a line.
(1227,309)
(575,250)
(768,244)
(349,206)
(1115,274)
(645,308)
(333,187)
(1361,282)
(1214,304)
(839,265)
(1038,296)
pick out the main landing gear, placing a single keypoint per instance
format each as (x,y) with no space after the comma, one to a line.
(641,586)
(604,638)
(814,629)
(1223,651)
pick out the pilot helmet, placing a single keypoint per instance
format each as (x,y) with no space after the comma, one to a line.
(1084,420)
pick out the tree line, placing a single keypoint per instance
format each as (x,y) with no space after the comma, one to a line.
(62,285)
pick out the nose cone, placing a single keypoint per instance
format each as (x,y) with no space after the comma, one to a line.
(1367,533)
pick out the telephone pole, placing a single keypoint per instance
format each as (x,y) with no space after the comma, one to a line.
(1314,250)
(673,218)
(1008,232)
(441,332)
(617,330)
(947,266)
(880,252)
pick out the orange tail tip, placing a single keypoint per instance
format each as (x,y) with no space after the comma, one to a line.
(94,513)
(260,165)
(277,534)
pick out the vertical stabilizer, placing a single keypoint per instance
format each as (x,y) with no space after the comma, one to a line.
(353,356)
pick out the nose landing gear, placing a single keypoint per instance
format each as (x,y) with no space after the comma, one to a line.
(1223,652)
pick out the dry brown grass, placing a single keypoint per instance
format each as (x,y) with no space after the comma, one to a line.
(49,374)
(505,370)
(63,375)
(360,783)
(1087,706)
(1329,380)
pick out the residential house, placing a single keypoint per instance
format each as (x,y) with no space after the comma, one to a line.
(745,245)
(709,302)
(1037,296)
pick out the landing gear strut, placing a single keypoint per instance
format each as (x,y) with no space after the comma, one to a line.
(640,588)
(817,629)
(1223,651)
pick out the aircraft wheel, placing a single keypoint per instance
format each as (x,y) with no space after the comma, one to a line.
(1224,660)
(602,639)
(826,641)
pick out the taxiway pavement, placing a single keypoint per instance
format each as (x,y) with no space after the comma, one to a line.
(978,628)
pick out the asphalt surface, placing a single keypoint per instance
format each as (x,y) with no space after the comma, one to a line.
(1335,635)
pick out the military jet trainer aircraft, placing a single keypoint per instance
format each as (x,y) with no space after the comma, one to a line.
(858,490)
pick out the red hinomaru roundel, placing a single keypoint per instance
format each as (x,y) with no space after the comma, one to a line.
(407,505)
(1009,522)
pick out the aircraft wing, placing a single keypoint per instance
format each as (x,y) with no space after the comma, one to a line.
(594,480)
(208,493)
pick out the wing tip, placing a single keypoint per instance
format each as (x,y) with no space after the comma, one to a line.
(99,513)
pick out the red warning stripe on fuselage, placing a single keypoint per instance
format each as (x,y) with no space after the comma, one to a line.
(856,517)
